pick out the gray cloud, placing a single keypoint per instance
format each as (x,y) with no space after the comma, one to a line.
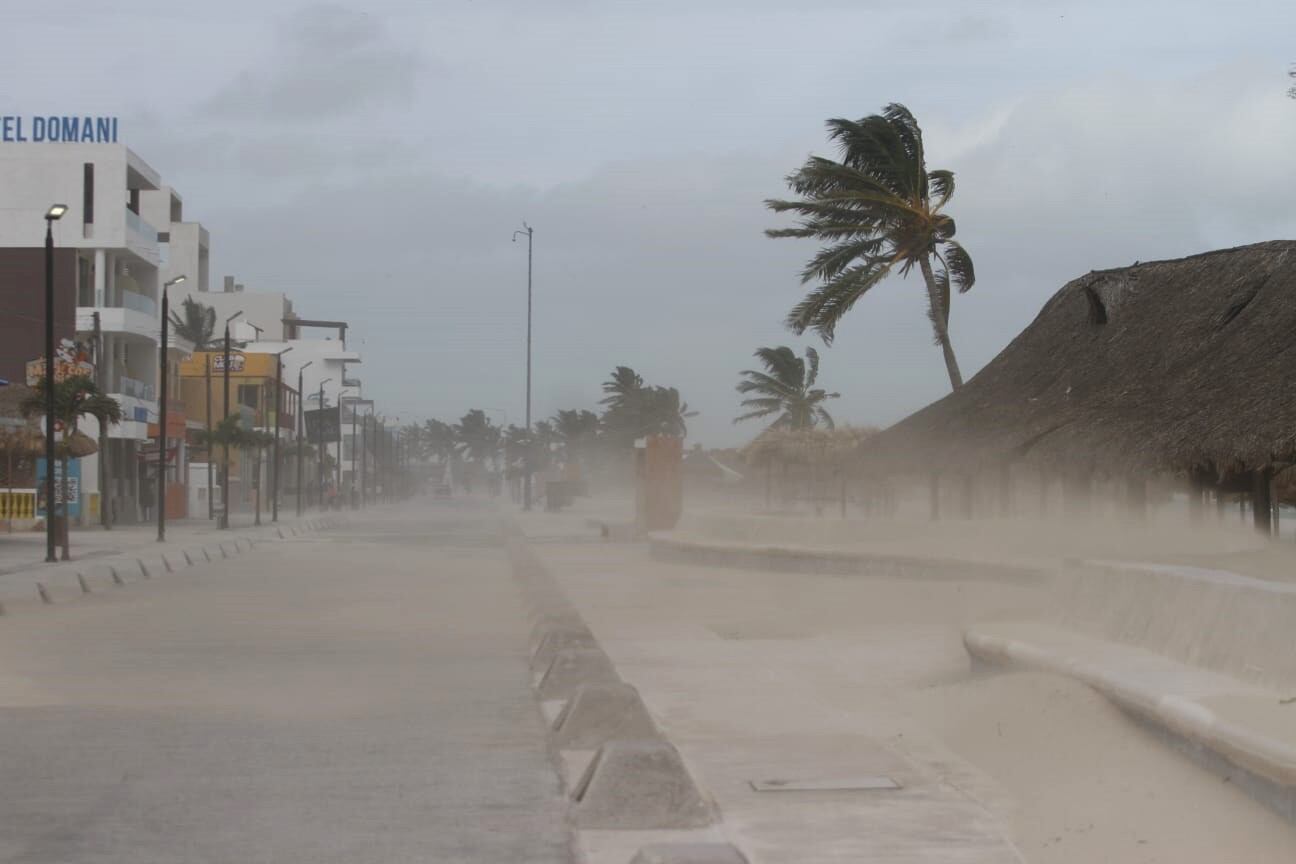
(327,61)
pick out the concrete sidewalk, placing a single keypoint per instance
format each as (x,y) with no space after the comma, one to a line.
(351,696)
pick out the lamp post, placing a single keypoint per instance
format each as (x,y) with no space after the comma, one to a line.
(274,482)
(224,520)
(526,458)
(52,215)
(301,412)
(162,410)
(319,446)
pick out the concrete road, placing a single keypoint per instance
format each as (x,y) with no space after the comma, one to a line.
(360,696)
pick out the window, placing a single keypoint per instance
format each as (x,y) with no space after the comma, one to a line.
(87,194)
(247,395)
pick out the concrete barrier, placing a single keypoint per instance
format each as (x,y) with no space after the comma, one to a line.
(684,548)
(689,853)
(575,638)
(599,713)
(573,667)
(639,785)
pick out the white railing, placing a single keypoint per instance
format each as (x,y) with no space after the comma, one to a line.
(139,302)
(135,388)
(139,226)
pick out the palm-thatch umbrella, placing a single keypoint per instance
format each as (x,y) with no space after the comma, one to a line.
(822,450)
(77,445)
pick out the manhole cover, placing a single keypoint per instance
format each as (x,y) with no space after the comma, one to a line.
(846,784)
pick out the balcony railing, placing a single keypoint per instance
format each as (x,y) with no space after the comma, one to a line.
(139,302)
(139,226)
(133,387)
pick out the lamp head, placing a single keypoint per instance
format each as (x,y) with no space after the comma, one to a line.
(55,212)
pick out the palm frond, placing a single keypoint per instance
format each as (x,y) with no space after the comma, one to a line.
(825,305)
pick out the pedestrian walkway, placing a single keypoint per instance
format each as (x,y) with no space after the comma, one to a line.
(351,696)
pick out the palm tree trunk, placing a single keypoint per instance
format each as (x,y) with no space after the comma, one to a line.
(939,301)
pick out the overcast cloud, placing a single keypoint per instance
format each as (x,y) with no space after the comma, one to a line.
(374,160)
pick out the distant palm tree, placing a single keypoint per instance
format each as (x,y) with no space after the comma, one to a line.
(786,388)
(576,431)
(439,439)
(197,325)
(880,210)
(477,437)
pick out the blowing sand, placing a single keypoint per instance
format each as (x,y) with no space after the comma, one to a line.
(1085,783)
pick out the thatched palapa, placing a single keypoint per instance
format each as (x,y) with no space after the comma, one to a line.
(1184,366)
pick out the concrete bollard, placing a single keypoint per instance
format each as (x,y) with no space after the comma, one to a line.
(207,554)
(81,580)
(166,565)
(689,853)
(560,640)
(639,785)
(188,560)
(572,668)
(116,577)
(599,713)
(44,595)
(144,571)
(224,554)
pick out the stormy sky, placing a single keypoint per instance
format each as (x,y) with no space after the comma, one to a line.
(373,160)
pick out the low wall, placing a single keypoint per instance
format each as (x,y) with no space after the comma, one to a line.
(1235,625)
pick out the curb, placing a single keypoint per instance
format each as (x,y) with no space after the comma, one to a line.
(64,582)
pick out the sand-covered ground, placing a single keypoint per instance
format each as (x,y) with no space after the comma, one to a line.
(736,662)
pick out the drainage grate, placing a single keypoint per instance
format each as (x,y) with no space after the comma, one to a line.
(872,782)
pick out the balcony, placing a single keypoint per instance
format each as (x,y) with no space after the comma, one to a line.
(141,238)
(135,388)
(121,319)
(140,303)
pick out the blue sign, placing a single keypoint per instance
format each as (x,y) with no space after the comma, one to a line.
(73,486)
(16,128)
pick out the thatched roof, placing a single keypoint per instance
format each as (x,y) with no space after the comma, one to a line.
(1164,366)
(807,446)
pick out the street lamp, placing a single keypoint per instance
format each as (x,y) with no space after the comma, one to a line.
(526,458)
(319,429)
(224,521)
(301,412)
(162,410)
(274,483)
(337,469)
(52,215)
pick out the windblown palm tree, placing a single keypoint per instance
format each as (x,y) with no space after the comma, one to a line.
(881,211)
(665,413)
(786,388)
(197,325)
(576,431)
(439,439)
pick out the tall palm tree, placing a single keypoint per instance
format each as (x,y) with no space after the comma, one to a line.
(439,439)
(786,388)
(197,324)
(880,211)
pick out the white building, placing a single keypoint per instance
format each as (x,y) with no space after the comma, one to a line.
(121,257)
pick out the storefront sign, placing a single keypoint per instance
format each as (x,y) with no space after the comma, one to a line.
(73,487)
(37,128)
(70,360)
(323,425)
(236,363)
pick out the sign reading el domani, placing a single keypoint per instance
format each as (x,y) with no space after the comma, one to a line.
(15,128)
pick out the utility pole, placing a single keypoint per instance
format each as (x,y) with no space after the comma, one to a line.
(225,468)
(278,414)
(101,380)
(301,416)
(526,454)
(163,369)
